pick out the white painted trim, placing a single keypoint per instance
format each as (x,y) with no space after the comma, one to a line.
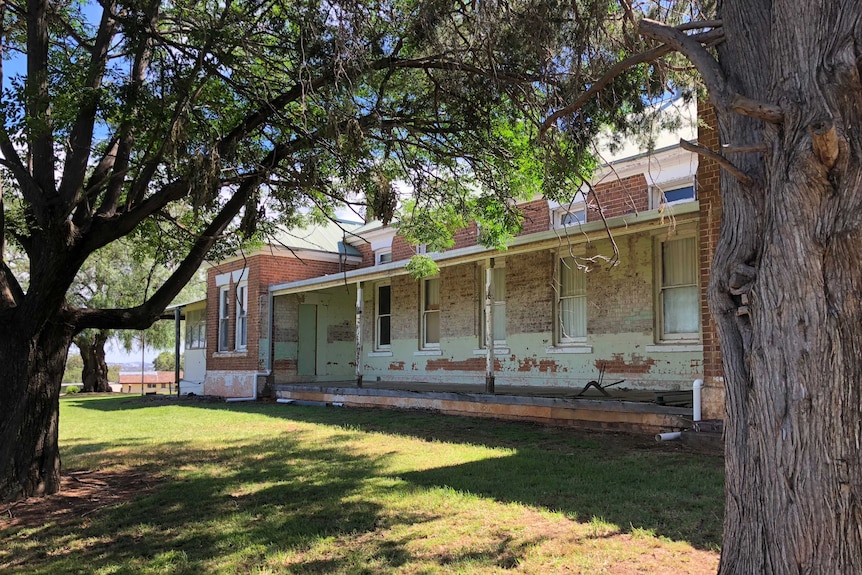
(240,275)
(222,279)
(428,352)
(379,354)
(563,349)
(243,353)
(497,351)
(674,348)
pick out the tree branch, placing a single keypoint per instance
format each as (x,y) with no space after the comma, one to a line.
(720,93)
(743,178)
(125,133)
(619,68)
(142,316)
(81,136)
(38,103)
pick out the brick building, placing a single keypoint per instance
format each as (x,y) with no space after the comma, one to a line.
(554,306)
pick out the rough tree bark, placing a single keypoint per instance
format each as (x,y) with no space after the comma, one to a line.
(786,285)
(94,374)
(29,402)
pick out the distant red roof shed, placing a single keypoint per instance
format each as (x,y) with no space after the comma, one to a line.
(149,377)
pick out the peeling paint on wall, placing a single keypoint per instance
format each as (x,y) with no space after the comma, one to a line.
(472,364)
(637,364)
(542,366)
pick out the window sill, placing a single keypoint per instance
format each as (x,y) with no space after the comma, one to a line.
(675,348)
(428,352)
(379,354)
(236,353)
(574,348)
(497,351)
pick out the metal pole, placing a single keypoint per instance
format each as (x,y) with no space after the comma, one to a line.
(177,349)
(489,327)
(143,345)
(359,298)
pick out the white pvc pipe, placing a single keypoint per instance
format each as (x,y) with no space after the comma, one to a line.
(668,436)
(283,400)
(696,405)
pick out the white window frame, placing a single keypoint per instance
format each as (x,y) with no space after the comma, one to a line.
(379,317)
(224,318)
(658,192)
(692,284)
(383,256)
(573,215)
(427,311)
(499,305)
(196,326)
(561,337)
(241,337)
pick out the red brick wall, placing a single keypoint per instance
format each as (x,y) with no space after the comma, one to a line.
(710,217)
(402,249)
(367,255)
(618,197)
(620,297)
(537,216)
(466,237)
(263,271)
(530,293)
(458,301)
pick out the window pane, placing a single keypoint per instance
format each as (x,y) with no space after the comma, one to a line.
(681,310)
(573,217)
(432,294)
(573,317)
(383,302)
(432,327)
(224,337)
(499,322)
(384,337)
(679,194)
(500,284)
(679,262)
(573,281)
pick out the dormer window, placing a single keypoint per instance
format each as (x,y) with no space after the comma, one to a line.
(383,256)
(673,193)
(572,212)
(571,216)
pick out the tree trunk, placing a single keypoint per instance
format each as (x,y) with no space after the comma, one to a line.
(29,402)
(94,374)
(785,290)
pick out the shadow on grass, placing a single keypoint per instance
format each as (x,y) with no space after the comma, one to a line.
(238,504)
(629,481)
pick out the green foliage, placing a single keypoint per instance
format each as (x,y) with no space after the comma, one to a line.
(73,389)
(74,366)
(211,124)
(421,266)
(165,361)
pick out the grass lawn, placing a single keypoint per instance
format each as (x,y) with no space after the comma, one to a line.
(270,488)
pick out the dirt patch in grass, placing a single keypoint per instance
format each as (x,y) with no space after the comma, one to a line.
(81,494)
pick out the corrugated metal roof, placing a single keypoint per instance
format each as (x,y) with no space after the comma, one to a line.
(328,237)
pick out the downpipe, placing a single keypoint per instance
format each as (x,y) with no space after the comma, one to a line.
(696,390)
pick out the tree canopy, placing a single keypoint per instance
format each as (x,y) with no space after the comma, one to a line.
(193,127)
